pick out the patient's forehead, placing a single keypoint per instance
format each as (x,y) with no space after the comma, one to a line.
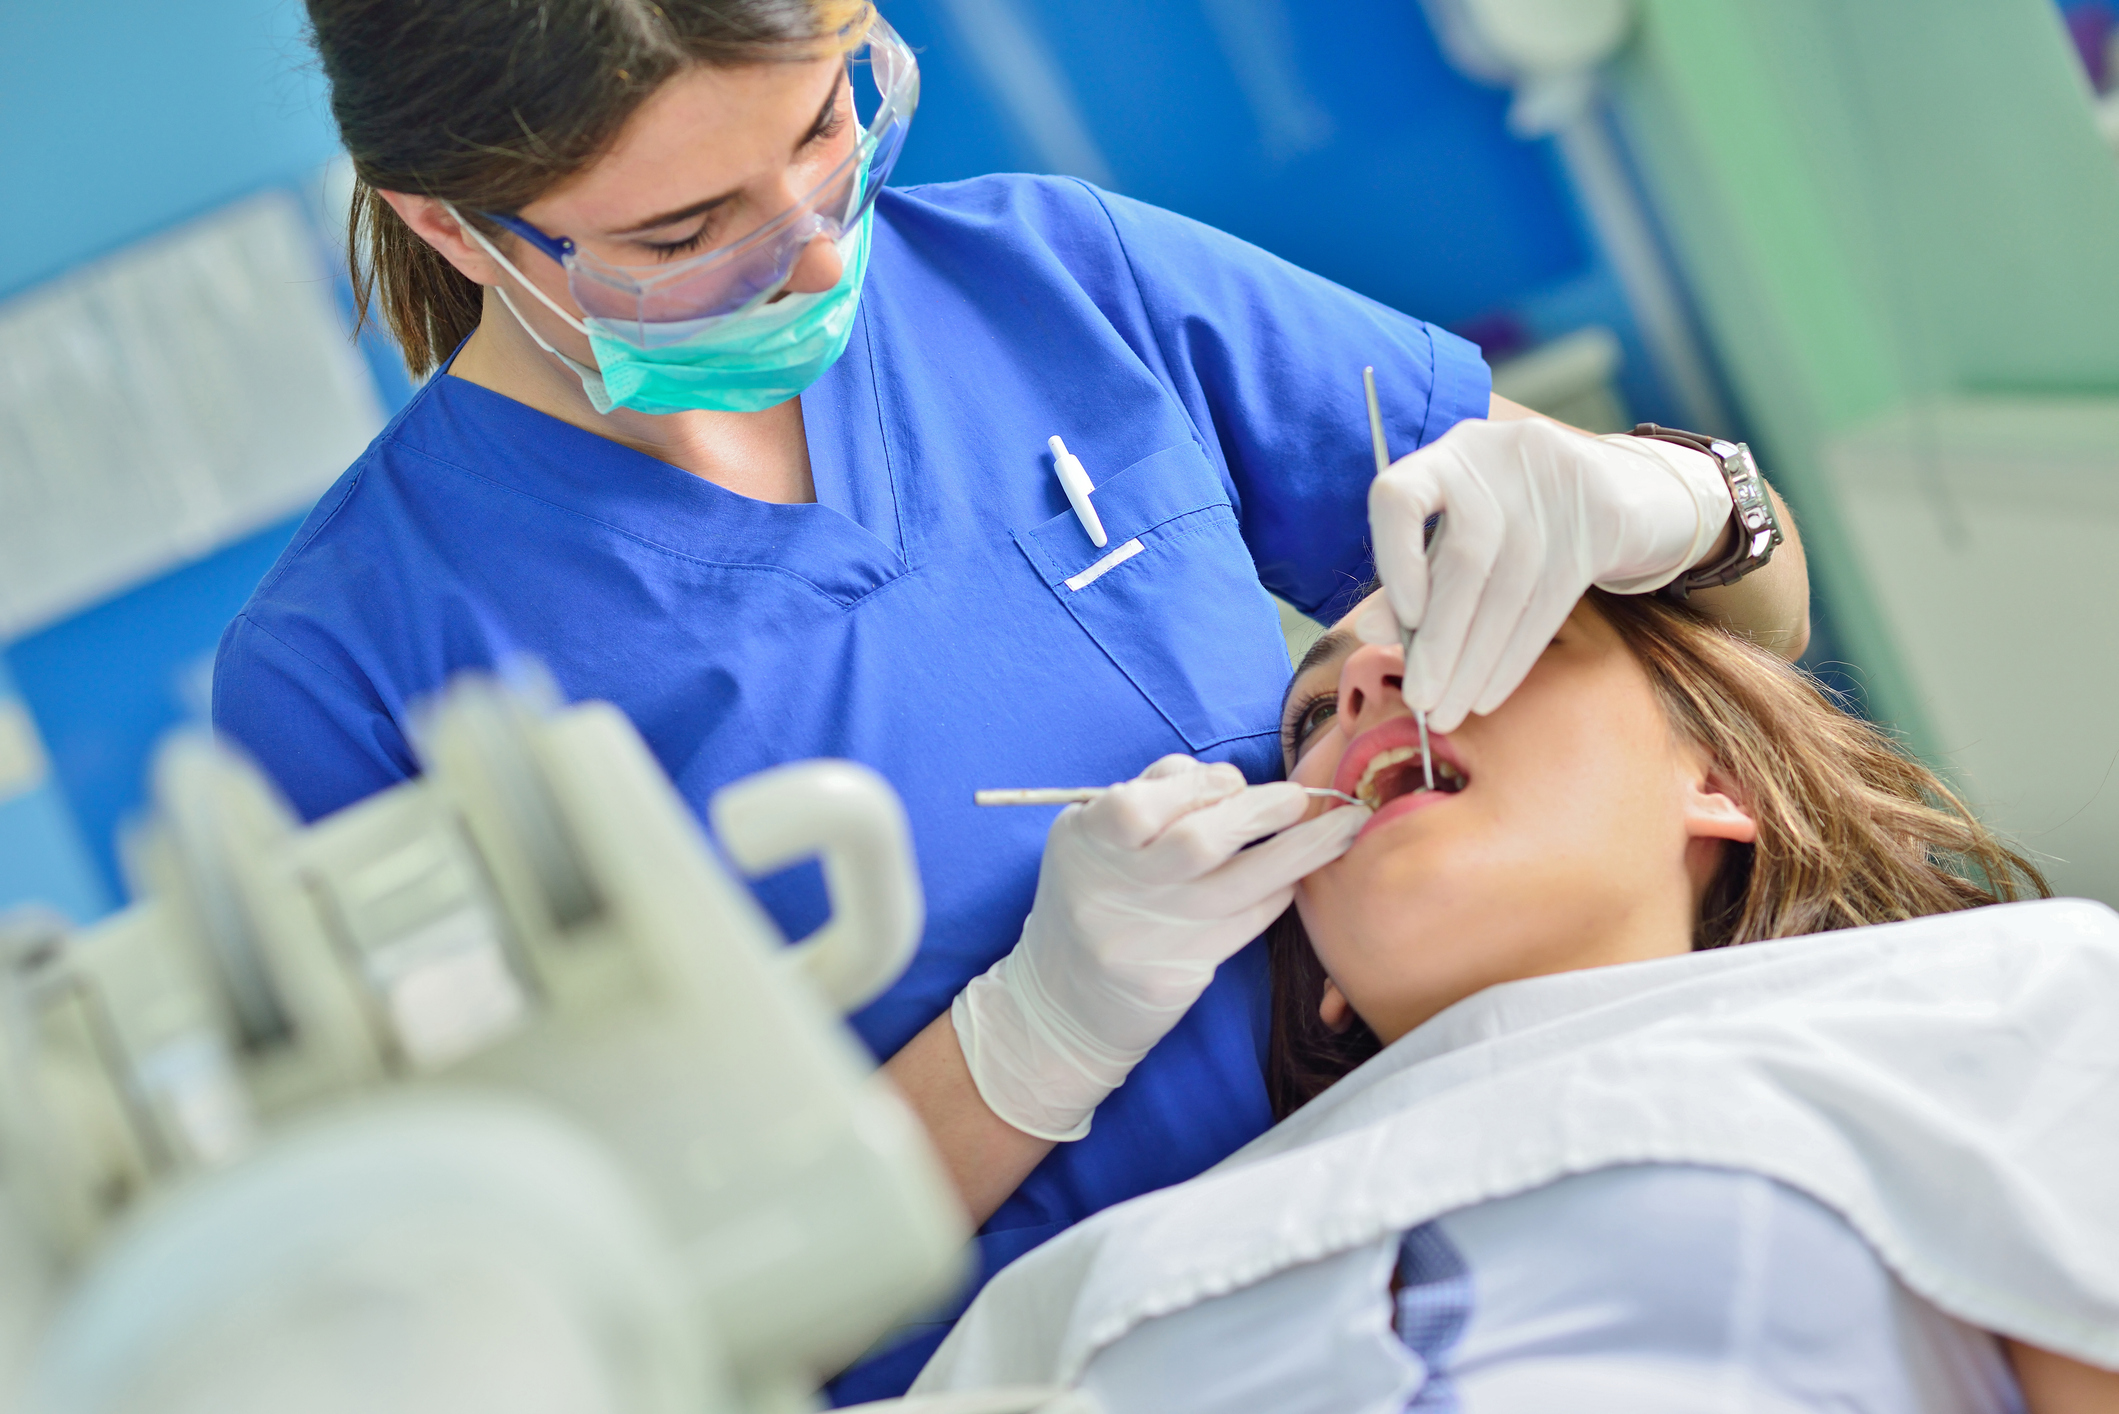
(1331,647)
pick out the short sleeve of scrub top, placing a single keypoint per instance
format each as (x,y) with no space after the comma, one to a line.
(938,612)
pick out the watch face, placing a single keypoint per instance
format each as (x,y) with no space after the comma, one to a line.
(1747,489)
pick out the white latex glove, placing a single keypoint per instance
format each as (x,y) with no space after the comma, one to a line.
(1535,515)
(1144,891)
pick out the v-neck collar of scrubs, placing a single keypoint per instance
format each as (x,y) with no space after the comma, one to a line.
(846,544)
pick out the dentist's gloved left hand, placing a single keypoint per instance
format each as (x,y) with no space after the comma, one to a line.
(1144,891)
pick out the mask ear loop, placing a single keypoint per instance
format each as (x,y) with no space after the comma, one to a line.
(583,371)
(508,265)
(591,375)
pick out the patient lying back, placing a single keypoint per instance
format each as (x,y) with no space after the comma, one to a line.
(1653,787)
(1589,1165)
(1656,787)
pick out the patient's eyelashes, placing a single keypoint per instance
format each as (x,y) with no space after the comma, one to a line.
(1305,719)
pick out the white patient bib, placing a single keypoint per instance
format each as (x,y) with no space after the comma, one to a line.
(1642,1289)
(1949,1087)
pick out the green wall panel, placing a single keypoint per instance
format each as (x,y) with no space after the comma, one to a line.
(1876,204)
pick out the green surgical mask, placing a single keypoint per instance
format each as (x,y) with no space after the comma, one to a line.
(753,359)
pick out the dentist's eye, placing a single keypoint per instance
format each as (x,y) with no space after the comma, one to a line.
(683,245)
(830,128)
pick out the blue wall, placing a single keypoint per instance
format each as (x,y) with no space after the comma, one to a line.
(1371,161)
(1382,167)
(125,118)
(107,683)
(1405,185)
(43,858)
(128,116)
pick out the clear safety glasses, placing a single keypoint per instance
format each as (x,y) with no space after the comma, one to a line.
(653,305)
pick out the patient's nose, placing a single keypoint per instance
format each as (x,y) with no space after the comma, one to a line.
(1372,687)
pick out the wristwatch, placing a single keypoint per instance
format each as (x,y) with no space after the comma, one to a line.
(1758,528)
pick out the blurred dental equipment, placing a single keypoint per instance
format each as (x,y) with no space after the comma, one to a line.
(1078,795)
(1405,635)
(1074,480)
(495,1090)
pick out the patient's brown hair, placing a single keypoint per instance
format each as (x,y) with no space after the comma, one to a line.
(1851,830)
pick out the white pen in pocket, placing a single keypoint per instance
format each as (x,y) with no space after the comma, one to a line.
(1074,480)
(1078,795)
(1405,635)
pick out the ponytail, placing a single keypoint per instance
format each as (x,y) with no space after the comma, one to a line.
(425,301)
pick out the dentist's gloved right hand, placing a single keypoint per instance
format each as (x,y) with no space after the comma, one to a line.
(1144,891)
(1534,515)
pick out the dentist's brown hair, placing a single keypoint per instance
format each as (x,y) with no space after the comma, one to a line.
(1851,829)
(490,104)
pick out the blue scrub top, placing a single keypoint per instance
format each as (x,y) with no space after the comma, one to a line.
(917,617)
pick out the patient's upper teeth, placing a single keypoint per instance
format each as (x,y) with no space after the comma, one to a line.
(1380,762)
(1447,777)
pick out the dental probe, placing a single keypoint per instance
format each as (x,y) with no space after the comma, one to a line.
(1076,795)
(1405,635)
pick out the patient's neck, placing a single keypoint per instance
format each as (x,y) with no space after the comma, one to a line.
(1652,927)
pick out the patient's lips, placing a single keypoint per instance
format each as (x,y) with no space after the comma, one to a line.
(1383,767)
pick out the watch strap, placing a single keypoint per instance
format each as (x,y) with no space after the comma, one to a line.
(1758,528)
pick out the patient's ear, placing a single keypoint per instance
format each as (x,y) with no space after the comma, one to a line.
(1334,1010)
(1714,805)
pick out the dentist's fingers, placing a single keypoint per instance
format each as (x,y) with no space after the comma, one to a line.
(1283,860)
(1400,501)
(1175,764)
(1464,562)
(1510,588)
(1134,812)
(1204,840)
(1229,933)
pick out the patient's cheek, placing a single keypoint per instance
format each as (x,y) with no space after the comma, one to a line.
(1321,760)
(1319,902)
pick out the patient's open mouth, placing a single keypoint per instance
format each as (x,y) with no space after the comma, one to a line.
(1399,771)
(1384,770)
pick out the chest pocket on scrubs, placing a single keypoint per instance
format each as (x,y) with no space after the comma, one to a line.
(1172,597)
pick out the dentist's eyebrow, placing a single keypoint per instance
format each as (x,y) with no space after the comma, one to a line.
(683,213)
(700,208)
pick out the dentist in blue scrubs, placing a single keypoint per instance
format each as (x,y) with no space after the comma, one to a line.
(725,431)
